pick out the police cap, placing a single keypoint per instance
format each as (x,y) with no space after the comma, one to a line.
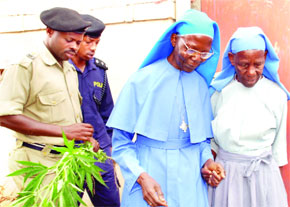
(64,20)
(97,27)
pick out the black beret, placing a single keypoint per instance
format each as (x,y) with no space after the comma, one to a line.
(97,27)
(64,20)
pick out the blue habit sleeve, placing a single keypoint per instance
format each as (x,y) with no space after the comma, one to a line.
(124,153)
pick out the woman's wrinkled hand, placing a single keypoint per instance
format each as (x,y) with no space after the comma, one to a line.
(213,173)
(151,190)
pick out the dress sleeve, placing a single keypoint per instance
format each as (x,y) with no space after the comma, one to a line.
(124,153)
(205,152)
(279,148)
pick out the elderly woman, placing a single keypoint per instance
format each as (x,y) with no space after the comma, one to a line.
(250,110)
(167,104)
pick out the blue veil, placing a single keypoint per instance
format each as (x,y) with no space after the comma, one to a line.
(147,100)
(193,22)
(247,38)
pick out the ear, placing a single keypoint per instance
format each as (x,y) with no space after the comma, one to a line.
(265,55)
(49,31)
(231,58)
(173,39)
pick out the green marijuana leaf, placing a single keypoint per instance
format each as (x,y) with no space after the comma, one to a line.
(76,167)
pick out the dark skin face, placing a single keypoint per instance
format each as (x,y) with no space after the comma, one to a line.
(180,59)
(86,52)
(63,45)
(88,47)
(249,66)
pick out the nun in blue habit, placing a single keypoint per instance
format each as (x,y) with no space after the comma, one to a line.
(249,105)
(169,111)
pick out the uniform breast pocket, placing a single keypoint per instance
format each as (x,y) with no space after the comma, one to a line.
(52,107)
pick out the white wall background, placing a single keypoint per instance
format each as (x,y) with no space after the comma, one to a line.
(132,28)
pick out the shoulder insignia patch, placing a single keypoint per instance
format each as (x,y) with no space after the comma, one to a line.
(26,61)
(101,64)
(32,56)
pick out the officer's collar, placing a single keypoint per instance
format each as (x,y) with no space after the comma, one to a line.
(47,57)
(50,60)
(91,65)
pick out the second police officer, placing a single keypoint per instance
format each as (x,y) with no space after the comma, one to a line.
(97,105)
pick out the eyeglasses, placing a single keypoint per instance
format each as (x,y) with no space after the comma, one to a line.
(191,52)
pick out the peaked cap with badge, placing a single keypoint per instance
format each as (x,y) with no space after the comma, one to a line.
(64,20)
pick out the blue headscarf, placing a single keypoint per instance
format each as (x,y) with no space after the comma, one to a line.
(248,38)
(147,100)
(193,22)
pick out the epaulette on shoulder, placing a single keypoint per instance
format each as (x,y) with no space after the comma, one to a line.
(101,64)
(26,61)
(32,56)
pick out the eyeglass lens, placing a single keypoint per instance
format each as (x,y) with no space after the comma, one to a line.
(203,55)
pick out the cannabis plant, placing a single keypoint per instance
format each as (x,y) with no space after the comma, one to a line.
(71,172)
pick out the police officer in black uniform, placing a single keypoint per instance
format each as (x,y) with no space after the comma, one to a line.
(97,105)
